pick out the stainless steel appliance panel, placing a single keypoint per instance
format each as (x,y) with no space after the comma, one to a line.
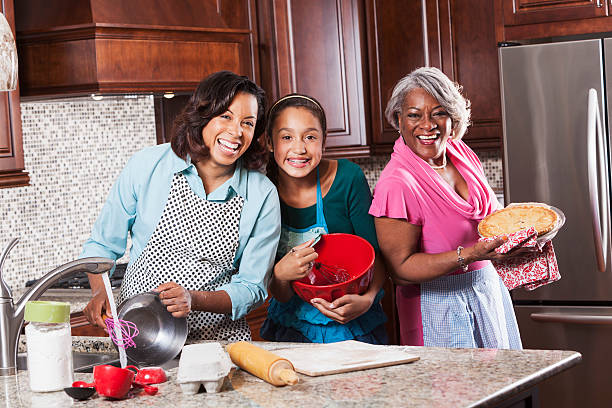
(587,330)
(545,96)
(608,76)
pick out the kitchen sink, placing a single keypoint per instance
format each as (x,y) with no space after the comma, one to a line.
(81,362)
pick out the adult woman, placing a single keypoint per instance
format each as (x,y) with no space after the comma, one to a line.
(428,202)
(204,223)
(318,196)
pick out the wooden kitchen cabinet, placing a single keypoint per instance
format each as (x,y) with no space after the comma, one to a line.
(527,19)
(472,57)
(75,48)
(396,44)
(320,56)
(315,47)
(166,111)
(12,169)
(403,36)
(517,12)
(79,326)
(256,318)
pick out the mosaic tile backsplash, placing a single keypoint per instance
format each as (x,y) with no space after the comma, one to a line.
(74,149)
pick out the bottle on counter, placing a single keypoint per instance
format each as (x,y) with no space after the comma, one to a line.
(49,345)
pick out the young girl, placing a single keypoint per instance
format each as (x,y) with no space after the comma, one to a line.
(318,196)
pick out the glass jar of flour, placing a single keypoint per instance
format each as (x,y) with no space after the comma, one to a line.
(49,345)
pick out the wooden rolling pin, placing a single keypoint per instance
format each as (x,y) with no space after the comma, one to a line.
(262,363)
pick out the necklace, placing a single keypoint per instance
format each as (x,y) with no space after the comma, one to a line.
(443,165)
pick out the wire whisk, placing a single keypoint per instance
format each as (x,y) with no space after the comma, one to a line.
(128,332)
(332,273)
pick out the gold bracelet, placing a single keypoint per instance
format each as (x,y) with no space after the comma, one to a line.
(461,260)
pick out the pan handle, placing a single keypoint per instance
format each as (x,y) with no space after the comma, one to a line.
(571,318)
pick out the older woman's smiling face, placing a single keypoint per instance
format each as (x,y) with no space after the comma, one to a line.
(425,125)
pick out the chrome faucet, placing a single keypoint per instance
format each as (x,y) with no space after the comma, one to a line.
(11,314)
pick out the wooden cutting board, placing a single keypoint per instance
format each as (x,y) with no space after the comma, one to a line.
(342,357)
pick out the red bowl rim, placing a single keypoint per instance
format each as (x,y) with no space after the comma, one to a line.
(307,285)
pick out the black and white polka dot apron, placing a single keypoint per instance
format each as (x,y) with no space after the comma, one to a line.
(194,245)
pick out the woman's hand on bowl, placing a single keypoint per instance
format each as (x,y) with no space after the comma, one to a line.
(296,263)
(345,308)
(176,298)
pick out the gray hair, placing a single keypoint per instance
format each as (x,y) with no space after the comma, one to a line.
(438,85)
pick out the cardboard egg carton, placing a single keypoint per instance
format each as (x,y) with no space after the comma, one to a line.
(204,364)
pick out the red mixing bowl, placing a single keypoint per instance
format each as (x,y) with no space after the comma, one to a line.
(347,251)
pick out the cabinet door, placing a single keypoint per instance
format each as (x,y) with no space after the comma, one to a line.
(314,47)
(396,44)
(440,33)
(256,318)
(475,67)
(517,12)
(11,149)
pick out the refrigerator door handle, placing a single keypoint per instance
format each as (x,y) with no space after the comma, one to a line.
(604,178)
(571,318)
(595,138)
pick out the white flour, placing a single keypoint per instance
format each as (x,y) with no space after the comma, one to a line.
(49,347)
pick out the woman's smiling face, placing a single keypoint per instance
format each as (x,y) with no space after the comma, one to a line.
(297,139)
(425,125)
(230,134)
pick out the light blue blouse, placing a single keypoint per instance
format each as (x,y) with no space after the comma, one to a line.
(138,197)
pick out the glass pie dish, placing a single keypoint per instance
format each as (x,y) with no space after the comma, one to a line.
(542,239)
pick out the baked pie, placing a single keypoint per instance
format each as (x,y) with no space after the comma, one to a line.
(516,218)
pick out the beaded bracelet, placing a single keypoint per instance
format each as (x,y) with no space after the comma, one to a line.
(461,260)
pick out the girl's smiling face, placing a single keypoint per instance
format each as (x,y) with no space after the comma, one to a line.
(229,135)
(297,140)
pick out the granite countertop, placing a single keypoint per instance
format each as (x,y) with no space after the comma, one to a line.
(441,378)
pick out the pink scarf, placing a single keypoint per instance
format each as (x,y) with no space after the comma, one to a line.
(481,201)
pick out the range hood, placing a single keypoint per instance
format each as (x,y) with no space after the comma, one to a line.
(83,47)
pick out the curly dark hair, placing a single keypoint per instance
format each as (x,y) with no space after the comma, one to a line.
(212,98)
(293,100)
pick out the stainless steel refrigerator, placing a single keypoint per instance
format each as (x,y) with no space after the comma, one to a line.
(556,147)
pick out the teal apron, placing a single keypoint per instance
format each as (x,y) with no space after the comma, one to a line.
(291,237)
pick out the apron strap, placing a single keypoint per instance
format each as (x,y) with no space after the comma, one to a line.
(320,215)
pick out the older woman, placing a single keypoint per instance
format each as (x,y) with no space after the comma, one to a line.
(204,222)
(428,203)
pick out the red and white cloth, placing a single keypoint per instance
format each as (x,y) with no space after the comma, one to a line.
(531,270)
